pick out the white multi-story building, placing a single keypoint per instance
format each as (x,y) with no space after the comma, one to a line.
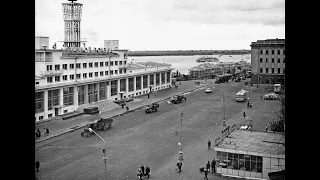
(268,61)
(74,77)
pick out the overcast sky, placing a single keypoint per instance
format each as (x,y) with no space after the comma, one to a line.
(168,24)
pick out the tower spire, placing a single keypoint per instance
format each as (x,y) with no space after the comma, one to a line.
(72,12)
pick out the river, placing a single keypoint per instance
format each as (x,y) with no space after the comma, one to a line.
(184,63)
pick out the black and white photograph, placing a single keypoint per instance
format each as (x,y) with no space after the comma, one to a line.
(159,89)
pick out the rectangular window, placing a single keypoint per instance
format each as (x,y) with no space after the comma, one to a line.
(158,79)
(272,70)
(272,52)
(57,67)
(90,75)
(107,63)
(57,78)
(53,98)
(90,65)
(114,88)
(64,66)
(39,102)
(125,62)
(115,71)
(49,79)
(260,70)
(283,60)
(283,71)
(145,81)
(71,66)
(278,51)
(122,84)
(84,65)
(130,84)
(65,77)
(93,92)
(163,80)
(96,74)
(72,77)
(272,60)
(106,73)
(284,52)
(266,60)
(68,96)
(84,75)
(111,72)
(261,52)
(267,70)
(81,95)
(49,67)
(78,65)
(267,52)
(40,117)
(78,76)
(138,83)
(124,71)
(278,60)
(111,63)
(120,71)
(116,63)
(102,90)
(151,79)
(101,64)
(168,77)
(101,73)
(120,63)
(261,60)
(96,64)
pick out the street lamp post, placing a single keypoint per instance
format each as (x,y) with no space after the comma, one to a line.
(180,143)
(105,162)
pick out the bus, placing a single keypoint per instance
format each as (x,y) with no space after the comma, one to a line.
(241,96)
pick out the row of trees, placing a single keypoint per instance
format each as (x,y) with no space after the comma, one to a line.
(278,124)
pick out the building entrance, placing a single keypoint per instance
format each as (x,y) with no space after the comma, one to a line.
(56,111)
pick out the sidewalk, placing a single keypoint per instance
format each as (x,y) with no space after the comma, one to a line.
(58,127)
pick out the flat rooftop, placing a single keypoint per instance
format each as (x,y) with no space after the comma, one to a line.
(255,141)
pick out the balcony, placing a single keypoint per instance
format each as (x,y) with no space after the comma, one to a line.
(51,73)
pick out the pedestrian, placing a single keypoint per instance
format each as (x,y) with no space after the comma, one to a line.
(142,169)
(37,165)
(122,105)
(127,108)
(39,133)
(205,173)
(266,127)
(209,144)
(147,171)
(179,165)
(244,114)
(213,166)
(208,166)
(47,131)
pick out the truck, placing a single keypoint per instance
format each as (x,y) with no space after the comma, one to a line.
(152,108)
(178,99)
(99,124)
(222,79)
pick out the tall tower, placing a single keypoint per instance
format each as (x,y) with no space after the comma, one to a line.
(72,16)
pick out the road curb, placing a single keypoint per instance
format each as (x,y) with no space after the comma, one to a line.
(113,116)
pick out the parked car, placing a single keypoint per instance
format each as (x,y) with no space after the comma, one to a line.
(209,90)
(270,96)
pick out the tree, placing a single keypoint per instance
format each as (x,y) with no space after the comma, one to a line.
(279,123)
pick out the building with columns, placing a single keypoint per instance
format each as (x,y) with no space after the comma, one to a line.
(268,61)
(74,77)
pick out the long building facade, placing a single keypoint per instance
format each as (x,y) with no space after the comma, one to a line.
(64,82)
(268,61)
(74,77)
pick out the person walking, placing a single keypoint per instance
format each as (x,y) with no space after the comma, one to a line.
(142,169)
(147,171)
(37,165)
(47,131)
(209,144)
(205,173)
(44,131)
(39,133)
(244,114)
(208,166)
(266,127)
(139,173)
(213,166)
(127,108)
(179,164)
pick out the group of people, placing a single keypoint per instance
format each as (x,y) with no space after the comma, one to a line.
(45,132)
(143,171)
(209,165)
